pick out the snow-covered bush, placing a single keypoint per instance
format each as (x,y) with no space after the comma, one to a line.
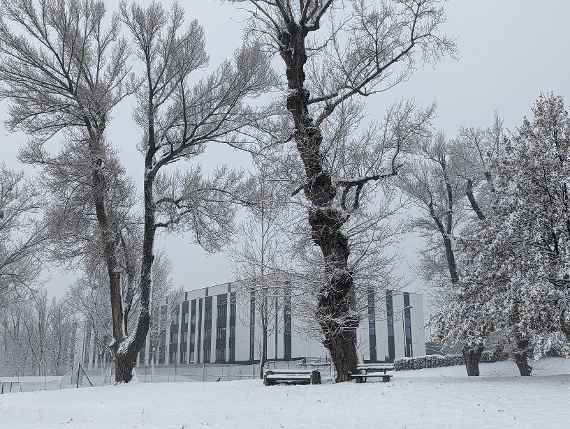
(438,361)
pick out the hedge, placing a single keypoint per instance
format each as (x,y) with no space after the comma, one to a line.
(438,361)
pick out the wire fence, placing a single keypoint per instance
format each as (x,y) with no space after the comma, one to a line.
(208,372)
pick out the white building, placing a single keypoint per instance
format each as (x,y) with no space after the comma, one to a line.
(219,324)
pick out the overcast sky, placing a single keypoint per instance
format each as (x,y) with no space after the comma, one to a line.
(510,51)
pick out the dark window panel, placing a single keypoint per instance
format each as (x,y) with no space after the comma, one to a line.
(232,327)
(390,319)
(287,324)
(207,328)
(221,325)
(408,325)
(192,329)
(199,326)
(372,324)
(252,326)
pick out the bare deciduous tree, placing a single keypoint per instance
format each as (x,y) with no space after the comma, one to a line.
(435,188)
(36,336)
(22,234)
(178,119)
(259,256)
(361,50)
(64,68)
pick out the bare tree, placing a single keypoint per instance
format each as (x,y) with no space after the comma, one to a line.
(37,337)
(259,256)
(64,69)
(436,189)
(178,118)
(15,357)
(61,331)
(22,234)
(363,49)
(161,294)
(444,174)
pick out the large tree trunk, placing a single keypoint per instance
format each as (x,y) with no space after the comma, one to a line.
(125,352)
(125,358)
(521,343)
(124,364)
(333,308)
(343,354)
(520,355)
(521,359)
(108,237)
(471,357)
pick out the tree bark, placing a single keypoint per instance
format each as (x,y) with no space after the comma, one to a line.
(565,324)
(521,359)
(471,357)
(333,308)
(520,356)
(124,364)
(108,238)
(521,340)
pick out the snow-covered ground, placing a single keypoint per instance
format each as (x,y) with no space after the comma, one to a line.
(426,399)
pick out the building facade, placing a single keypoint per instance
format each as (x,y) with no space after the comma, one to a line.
(221,324)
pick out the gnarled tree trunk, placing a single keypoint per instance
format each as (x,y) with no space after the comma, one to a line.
(334,299)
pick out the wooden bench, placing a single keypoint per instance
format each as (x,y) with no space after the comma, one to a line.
(373,370)
(272,377)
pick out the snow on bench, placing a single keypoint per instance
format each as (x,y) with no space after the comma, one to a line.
(291,376)
(373,370)
(361,378)
(374,367)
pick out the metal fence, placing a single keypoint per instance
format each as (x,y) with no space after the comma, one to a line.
(81,377)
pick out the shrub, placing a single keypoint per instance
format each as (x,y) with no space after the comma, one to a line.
(438,361)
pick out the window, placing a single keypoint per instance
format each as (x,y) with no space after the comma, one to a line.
(372,324)
(221,324)
(287,323)
(207,328)
(252,326)
(390,321)
(232,327)
(408,325)
(185,315)
(184,332)
(192,329)
(199,329)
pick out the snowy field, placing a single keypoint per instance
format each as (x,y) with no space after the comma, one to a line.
(425,399)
